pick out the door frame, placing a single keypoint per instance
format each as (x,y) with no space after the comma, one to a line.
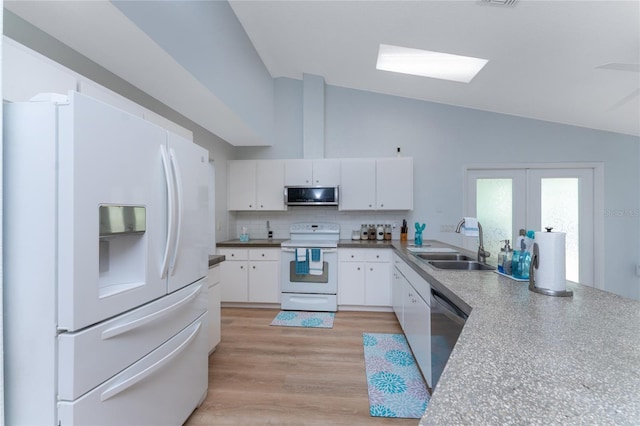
(598,202)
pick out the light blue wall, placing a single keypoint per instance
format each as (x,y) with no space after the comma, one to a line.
(444,139)
(206,38)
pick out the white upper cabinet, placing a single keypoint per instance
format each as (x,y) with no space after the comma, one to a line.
(26,73)
(270,185)
(256,185)
(394,184)
(376,184)
(312,172)
(358,184)
(242,185)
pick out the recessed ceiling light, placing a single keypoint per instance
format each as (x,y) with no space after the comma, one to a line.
(428,64)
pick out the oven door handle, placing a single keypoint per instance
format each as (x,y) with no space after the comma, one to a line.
(293,250)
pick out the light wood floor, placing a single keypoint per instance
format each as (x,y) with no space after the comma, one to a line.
(267,375)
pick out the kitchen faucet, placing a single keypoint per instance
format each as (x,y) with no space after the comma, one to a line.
(482,253)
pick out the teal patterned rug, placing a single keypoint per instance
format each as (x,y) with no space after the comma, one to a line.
(396,387)
(304,319)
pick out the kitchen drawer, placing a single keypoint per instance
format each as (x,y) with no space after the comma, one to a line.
(352,255)
(162,388)
(264,254)
(91,356)
(234,253)
(377,255)
(213,277)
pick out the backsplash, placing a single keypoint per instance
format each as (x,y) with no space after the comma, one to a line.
(256,222)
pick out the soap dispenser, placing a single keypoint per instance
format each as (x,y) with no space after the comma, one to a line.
(522,258)
(505,258)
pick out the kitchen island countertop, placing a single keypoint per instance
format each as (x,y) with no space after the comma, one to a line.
(527,358)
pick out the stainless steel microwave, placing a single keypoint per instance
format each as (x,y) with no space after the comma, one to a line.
(311,195)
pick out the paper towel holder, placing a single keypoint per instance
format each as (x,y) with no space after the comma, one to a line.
(535,259)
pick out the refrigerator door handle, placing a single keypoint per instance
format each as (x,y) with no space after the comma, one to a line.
(170,211)
(179,205)
(127,383)
(123,328)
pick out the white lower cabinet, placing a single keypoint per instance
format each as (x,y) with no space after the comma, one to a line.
(398,286)
(234,273)
(213,278)
(411,296)
(250,275)
(264,275)
(364,277)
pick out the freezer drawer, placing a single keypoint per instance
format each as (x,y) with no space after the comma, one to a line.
(91,356)
(163,388)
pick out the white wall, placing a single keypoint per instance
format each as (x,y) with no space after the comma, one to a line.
(206,38)
(443,139)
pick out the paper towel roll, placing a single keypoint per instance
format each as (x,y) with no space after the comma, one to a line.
(551,272)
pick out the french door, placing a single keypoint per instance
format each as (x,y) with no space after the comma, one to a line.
(506,200)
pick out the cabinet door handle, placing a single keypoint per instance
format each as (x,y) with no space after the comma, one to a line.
(358,268)
(253,267)
(262,254)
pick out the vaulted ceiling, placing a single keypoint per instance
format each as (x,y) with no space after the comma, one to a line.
(545,57)
(548,60)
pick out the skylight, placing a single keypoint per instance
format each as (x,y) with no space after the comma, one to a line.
(428,64)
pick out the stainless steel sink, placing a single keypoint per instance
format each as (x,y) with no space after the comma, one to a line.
(461,265)
(443,256)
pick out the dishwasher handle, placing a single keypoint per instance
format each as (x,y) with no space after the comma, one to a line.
(450,309)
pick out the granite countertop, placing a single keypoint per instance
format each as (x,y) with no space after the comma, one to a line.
(250,244)
(215,259)
(344,243)
(527,358)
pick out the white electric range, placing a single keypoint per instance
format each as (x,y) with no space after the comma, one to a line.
(309,267)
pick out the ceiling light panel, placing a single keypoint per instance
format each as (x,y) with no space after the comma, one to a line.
(428,64)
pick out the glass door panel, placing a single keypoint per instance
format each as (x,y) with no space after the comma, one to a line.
(494,210)
(564,200)
(559,209)
(497,199)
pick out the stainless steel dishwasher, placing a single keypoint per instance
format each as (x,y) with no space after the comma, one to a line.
(447,321)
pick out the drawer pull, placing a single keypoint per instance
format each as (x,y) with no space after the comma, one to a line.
(126,384)
(123,328)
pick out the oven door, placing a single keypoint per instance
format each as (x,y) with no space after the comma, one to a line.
(326,283)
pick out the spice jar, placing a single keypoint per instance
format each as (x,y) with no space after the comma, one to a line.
(364,232)
(387,232)
(380,232)
(372,232)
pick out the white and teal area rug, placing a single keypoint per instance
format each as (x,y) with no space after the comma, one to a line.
(396,387)
(304,319)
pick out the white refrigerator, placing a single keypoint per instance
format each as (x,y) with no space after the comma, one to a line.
(105,258)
